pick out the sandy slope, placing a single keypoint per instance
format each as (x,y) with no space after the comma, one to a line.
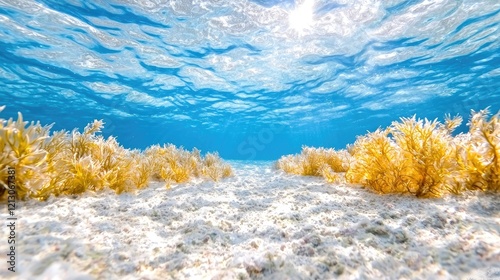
(258,224)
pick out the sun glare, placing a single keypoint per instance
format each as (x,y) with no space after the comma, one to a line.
(301,18)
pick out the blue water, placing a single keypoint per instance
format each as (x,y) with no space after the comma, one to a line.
(250,79)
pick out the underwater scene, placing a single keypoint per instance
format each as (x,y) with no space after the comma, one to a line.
(249,139)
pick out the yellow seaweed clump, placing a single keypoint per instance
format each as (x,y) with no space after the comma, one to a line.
(214,168)
(329,163)
(72,163)
(415,156)
(417,159)
(377,163)
(478,162)
(173,164)
(79,162)
(21,149)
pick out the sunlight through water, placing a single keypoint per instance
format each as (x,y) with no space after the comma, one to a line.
(301,18)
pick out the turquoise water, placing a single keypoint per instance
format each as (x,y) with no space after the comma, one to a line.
(250,79)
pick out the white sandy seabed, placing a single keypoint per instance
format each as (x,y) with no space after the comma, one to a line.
(259,224)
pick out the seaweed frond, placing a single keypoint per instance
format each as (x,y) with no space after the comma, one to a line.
(214,168)
(21,149)
(378,163)
(142,173)
(478,161)
(428,149)
(450,124)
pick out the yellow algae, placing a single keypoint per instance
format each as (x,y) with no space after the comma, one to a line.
(72,163)
(174,164)
(316,162)
(415,156)
(21,149)
(214,168)
(377,163)
(478,163)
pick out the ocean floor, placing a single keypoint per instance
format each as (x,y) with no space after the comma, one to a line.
(259,224)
